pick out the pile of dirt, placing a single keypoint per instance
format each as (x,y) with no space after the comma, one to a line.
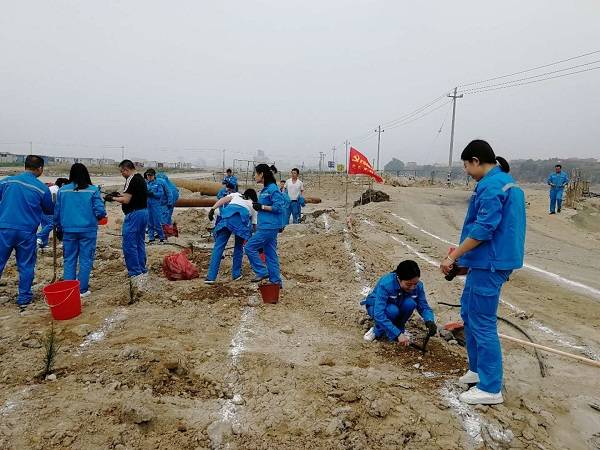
(371,195)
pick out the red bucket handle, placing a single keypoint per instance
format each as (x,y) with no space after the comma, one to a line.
(54,306)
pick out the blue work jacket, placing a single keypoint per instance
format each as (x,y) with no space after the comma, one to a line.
(388,290)
(232,180)
(285,213)
(23,200)
(271,196)
(173,191)
(78,211)
(496,216)
(558,181)
(158,192)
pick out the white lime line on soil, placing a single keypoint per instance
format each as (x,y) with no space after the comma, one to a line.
(13,403)
(109,323)
(473,423)
(553,276)
(554,335)
(358,266)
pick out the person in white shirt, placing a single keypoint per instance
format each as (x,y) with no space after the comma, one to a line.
(239,218)
(295,190)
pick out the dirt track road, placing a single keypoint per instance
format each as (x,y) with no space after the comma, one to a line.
(191,366)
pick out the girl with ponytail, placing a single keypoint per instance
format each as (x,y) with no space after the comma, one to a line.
(492,245)
(270,206)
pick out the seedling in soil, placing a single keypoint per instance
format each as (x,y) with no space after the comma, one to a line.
(51,345)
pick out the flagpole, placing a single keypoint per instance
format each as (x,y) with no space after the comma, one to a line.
(347,167)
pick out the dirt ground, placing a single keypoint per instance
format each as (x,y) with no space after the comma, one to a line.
(184,365)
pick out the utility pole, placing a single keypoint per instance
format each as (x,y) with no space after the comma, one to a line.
(321,157)
(223,161)
(453,97)
(378,130)
(333,156)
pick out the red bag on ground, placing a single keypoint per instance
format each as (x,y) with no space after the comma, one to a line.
(170,230)
(178,267)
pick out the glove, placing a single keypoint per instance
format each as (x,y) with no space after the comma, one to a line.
(211,214)
(281,230)
(59,234)
(257,206)
(109,198)
(431,327)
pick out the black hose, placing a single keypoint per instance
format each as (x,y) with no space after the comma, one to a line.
(543,368)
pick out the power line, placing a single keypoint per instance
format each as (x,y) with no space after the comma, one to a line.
(531,82)
(421,116)
(531,69)
(416,111)
(531,77)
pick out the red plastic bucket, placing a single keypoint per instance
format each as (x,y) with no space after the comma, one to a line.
(63,299)
(263,258)
(269,292)
(103,221)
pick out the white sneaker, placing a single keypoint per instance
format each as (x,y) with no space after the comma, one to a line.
(85,294)
(476,396)
(39,243)
(370,335)
(469,378)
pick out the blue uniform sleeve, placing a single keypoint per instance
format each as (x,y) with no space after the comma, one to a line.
(278,201)
(168,194)
(422,306)
(98,205)
(489,213)
(550,179)
(565,180)
(380,317)
(47,203)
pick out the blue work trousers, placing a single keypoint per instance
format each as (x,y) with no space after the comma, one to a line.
(221,240)
(79,247)
(295,211)
(479,306)
(167,214)
(556,196)
(398,315)
(267,240)
(24,245)
(155,221)
(134,245)
(44,234)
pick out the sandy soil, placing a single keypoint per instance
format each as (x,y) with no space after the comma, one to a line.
(184,365)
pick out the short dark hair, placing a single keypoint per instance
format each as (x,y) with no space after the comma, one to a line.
(60,182)
(149,172)
(127,164)
(558,165)
(296,170)
(33,162)
(229,171)
(407,270)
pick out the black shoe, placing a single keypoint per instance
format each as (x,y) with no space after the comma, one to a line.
(558,210)
(552,212)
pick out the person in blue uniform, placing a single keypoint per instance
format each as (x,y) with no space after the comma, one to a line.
(285,215)
(158,195)
(23,200)
(227,189)
(557,182)
(392,302)
(47,223)
(270,207)
(78,209)
(169,202)
(237,217)
(492,245)
(230,178)
(134,201)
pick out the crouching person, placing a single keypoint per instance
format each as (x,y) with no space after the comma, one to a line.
(393,300)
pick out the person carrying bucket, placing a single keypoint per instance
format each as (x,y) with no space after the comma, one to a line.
(158,194)
(238,218)
(48,219)
(23,200)
(134,201)
(492,245)
(392,302)
(270,207)
(78,209)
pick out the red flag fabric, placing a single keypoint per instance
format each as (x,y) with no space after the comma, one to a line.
(360,165)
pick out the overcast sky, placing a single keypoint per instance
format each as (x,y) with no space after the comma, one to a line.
(182,79)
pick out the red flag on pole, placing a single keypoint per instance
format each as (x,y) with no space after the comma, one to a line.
(360,165)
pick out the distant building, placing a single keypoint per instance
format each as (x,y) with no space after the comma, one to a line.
(8,158)
(411,165)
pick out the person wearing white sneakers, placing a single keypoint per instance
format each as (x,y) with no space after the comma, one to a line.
(393,300)
(492,245)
